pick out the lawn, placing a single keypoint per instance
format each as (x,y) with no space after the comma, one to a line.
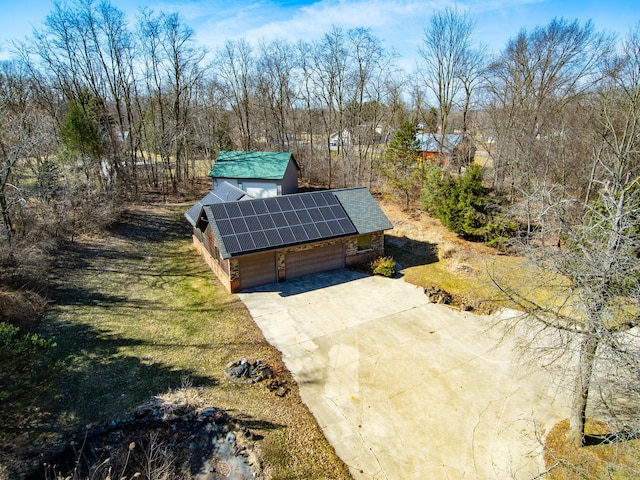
(135,313)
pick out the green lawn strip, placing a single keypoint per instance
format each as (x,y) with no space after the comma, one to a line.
(475,277)
(137,313)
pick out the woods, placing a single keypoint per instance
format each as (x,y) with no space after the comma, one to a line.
(95,110)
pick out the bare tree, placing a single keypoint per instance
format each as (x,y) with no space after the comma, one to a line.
(276,70)
(235,67)
(447,58)
(538,96)
(596,270)
(172,73)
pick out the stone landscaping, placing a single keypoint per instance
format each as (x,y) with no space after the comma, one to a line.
(160,439)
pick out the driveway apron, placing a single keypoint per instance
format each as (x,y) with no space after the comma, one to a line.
(406,389)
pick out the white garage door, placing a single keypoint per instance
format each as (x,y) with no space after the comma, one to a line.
(322,259)
(259,269)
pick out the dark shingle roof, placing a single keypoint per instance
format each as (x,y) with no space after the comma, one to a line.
(259,165)
(363,210)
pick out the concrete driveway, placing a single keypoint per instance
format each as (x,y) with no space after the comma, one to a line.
(405,389)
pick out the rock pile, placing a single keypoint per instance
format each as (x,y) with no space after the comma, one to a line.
(437,295)
(248,371)
(174,440)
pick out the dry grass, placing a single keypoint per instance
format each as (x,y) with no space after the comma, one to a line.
(431,255)
(135,312)
(609,461)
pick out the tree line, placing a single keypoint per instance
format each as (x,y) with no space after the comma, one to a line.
(144,106)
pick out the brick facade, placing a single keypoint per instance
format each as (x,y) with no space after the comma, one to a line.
(228,270)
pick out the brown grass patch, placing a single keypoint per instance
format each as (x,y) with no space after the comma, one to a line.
(21,308)
(564,461)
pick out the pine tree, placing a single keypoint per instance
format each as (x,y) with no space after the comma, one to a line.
(402,161)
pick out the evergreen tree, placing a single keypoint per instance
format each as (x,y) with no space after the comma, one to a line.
(402,161)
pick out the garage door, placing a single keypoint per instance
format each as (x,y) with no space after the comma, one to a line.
(316,260)
(259,269)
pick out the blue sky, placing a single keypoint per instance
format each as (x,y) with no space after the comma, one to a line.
(399,23)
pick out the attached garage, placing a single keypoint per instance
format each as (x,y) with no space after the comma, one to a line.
(258,269)
(266,240)
(316,260)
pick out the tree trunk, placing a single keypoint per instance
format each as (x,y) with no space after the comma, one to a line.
(586,362)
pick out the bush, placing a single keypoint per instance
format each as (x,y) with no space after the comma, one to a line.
(385,266)
(466,207)
(24,368)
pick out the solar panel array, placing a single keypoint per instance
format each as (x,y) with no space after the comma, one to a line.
(252,225)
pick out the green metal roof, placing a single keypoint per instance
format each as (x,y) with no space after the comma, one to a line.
(261,165)
(364,212)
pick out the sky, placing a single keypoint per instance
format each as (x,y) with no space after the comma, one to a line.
(399,24)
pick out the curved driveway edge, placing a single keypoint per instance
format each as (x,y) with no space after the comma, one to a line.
(406,389)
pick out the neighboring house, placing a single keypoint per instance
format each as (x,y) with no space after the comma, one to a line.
(363,134)
(255,242)
(260,174)
(335,139)
(434,147)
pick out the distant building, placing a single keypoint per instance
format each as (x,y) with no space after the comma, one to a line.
(259,174)
(438,148)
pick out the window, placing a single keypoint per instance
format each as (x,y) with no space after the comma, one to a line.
(364,242)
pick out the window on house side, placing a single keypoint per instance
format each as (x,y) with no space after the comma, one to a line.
(364,242)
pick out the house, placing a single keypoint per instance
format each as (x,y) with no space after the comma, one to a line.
(435,147)
(259,174)
(254,242)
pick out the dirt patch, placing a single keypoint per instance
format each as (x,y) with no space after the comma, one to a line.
(416,225)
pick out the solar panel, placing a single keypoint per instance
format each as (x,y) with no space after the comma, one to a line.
(246,208)
(239,225)
(272,205)
(296,203)
(260,207)
(299,233)
(292,218)
(233,210)
(320,200)
(307,201)
(311,231)
(253,223)
(324,229)
(260,239)
(304,216)
(266,222)
(219,211)
(259,224)
(246,242)
(316,214)
(279,219)
(287,235)
(225,227)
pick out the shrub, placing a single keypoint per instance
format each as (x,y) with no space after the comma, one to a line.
(385,266)
(24,368)
(466,207)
